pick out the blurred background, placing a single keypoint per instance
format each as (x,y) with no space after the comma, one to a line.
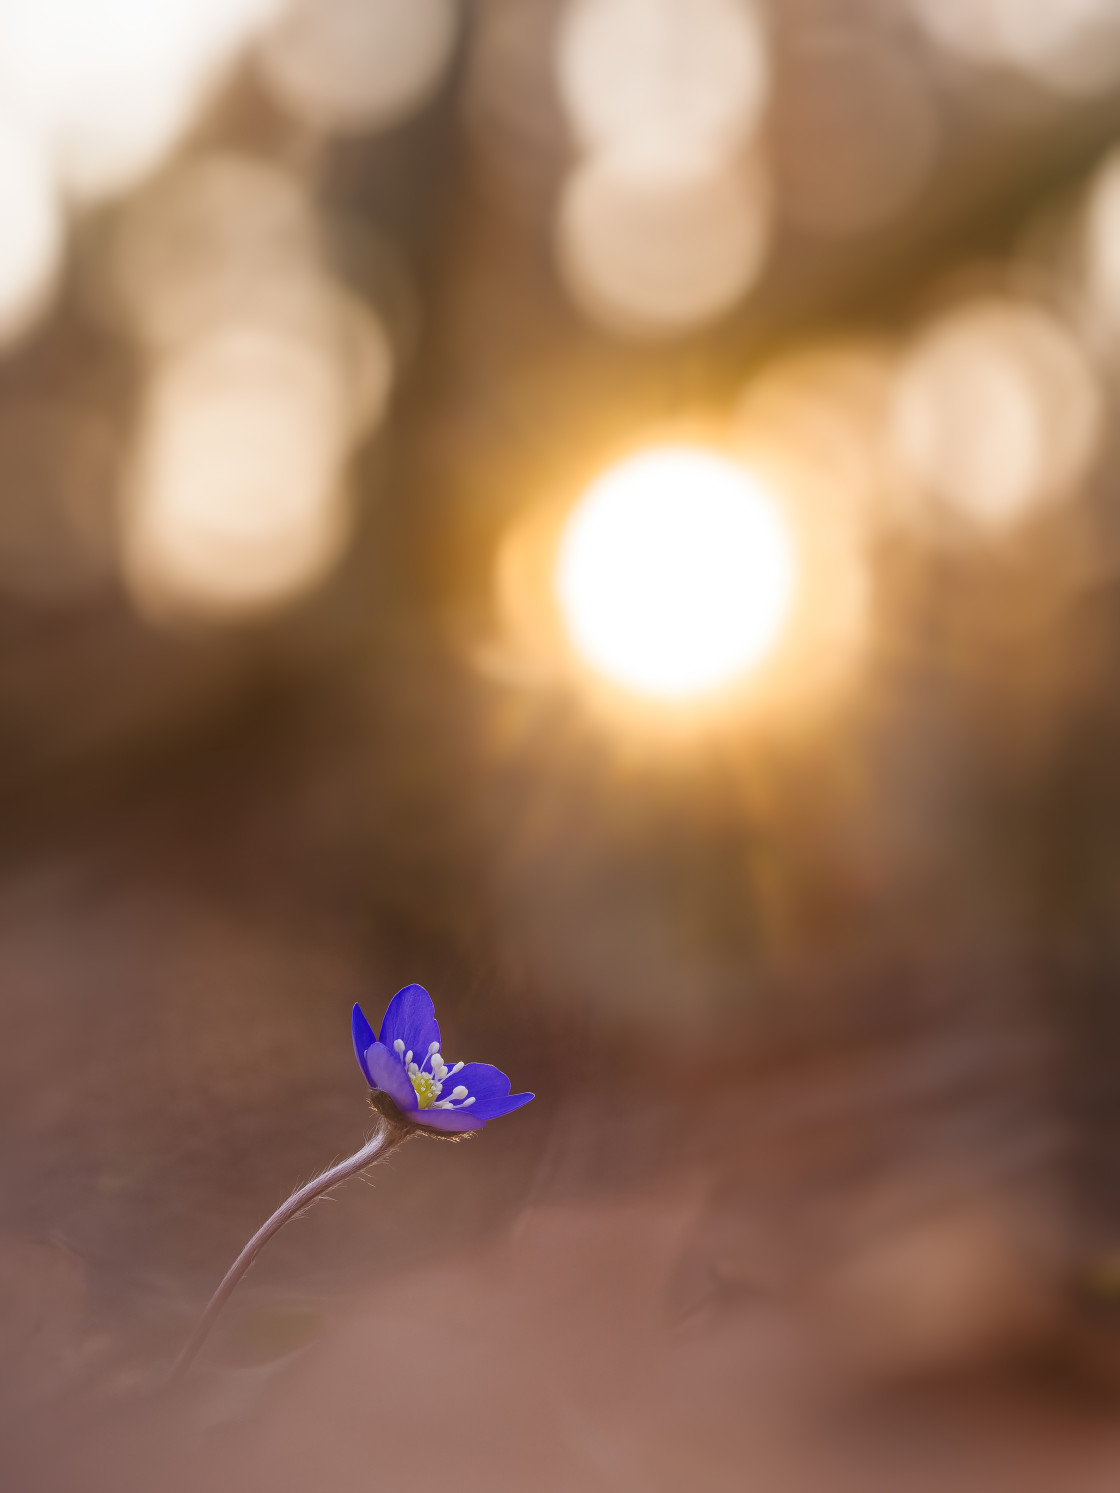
(608,509)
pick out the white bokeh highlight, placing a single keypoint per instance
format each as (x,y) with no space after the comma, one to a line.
(657,246)
(236,500)
(110,86)
(663,223)
(996,411)
(639,72)
(1070,46)
(676,573)
(347,66)
(31,231)
(265,372)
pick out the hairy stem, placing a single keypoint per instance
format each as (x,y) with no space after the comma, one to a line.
(385,1138)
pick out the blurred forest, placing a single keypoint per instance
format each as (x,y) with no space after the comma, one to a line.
(316,320)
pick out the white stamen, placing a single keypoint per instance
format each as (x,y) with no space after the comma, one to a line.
(398,1047)
(412,1068)
(442,1104)
(408,1056)
(459,1092)
(440,1071)
(456,1067)
(432,1047)
(468,1101)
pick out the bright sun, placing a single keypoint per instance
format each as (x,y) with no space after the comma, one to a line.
(676,572)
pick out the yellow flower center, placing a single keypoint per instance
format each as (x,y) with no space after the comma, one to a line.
(429,1086)
(427,1090)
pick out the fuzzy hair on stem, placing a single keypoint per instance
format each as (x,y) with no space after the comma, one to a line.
(390,1133)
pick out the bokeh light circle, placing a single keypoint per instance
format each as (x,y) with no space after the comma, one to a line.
(355,65)
(1100,257)
(31,243)
(653,245)
(221,234)
(635,72)
(111,86)
(995,411)
(1071,46)
(676,573)
(236,501)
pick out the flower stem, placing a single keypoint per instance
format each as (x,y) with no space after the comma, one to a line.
(387,1137)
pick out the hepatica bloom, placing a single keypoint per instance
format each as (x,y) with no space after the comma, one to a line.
(404,1061)
(405,1067)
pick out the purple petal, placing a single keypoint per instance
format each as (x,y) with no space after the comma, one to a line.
(482,1080)
(493,1109)
(387,1073)
(447,1119)
(473,1117)
(411,1019)
(363,1040)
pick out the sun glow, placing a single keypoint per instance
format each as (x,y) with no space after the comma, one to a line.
(676,573)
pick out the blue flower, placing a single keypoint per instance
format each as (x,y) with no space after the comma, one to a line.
(405,1063)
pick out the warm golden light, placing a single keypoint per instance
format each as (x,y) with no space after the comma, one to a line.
(676,572)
